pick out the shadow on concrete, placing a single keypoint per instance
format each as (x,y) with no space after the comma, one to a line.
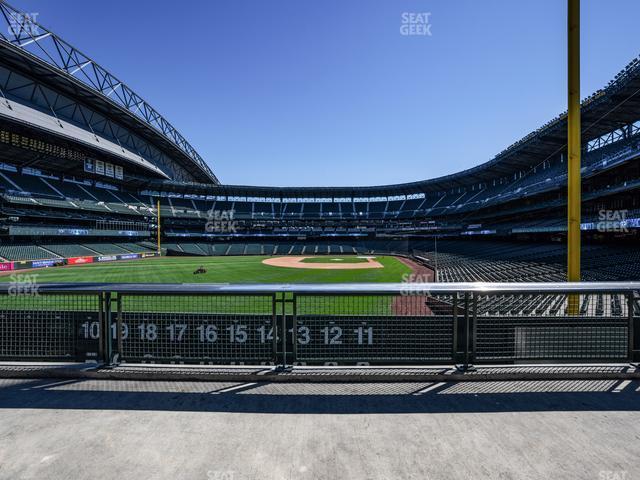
(317,398)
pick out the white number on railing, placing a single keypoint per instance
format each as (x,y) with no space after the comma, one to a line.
(237,333)
(361,331)
(208,333)
(176,331)
(332,335)
(114,331)
(304,335)
(91,330)
(265,335)
(148,331)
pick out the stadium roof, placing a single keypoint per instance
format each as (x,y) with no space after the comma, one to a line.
(29,46)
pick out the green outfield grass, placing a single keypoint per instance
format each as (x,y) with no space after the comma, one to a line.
(207,304)
(241,269)
(335,259)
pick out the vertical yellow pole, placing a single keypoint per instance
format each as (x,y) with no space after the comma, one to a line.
(159,249)
(573,150)
(573,144)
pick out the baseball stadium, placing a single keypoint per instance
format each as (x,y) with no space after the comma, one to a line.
(158,321)
(101,195)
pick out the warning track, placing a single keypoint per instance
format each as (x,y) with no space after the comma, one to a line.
(413,304)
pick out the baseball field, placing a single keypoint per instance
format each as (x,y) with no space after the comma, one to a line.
(228,269)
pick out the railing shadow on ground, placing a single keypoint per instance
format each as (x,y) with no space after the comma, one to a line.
(321,398)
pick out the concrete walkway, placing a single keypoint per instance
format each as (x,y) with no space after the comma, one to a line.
(108,429)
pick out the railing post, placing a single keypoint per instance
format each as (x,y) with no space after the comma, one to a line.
(284,331)
(462,327)
(466,331)
(119,327)
(474,330)
(107,339)
(294,329)
(455,335)
(274,326)
(102,355)
(634,347)
(286,326)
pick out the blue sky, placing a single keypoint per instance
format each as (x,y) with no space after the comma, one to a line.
(306,93)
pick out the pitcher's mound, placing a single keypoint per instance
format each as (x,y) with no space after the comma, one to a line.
(343,264)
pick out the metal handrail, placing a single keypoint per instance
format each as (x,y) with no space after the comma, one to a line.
(336,288)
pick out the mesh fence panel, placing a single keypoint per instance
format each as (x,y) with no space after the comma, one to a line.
(374,328)
(197,328)
(332,327)
(36,326)
(552,326)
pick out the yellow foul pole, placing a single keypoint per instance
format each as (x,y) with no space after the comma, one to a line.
(159,249)
(573,143)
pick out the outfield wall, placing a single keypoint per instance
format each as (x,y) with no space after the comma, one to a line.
(61,262)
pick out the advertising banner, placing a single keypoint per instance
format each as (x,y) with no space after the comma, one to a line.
(128,256)
(44,263)
(79,260)
(6,266)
